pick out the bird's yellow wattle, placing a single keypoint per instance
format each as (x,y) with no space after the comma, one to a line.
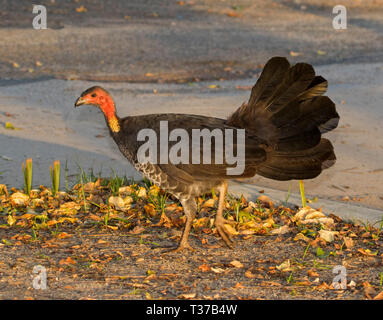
(113,124)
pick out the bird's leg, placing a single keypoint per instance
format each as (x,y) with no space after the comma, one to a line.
(190,209)
(219,219)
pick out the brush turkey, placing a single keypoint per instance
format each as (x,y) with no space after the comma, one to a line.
(283,122)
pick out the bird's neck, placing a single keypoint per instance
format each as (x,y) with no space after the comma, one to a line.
(109,110)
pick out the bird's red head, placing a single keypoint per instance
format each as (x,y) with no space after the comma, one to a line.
(99,97)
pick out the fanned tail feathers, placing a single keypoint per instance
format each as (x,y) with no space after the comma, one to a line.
(288,110)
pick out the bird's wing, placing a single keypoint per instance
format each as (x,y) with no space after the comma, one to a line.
(253,147)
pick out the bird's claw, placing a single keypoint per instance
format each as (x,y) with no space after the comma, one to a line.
(220,225)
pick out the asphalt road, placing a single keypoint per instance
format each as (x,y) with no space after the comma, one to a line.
(169,40)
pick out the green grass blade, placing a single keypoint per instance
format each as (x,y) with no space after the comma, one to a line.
(302,189)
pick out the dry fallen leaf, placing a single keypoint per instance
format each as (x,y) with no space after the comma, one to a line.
(369,291)
(281,230)
(19,199)
(137,230)
(141,192)
(128,190)
(285,266)
(301,236)
(312,273)
(327,235)
(208,204)
(64,235)
(266,201)
(117,202)
(268,223)
(154,191)
(68,208)
(270,284)
(236,264)
(366,252)
(150,210)
(11,220)
(9,126)
(349,243)
(250,275)
(81,9)
(188,295)
(89,187)
(379,296)
(233,14)
(217,270)
(239,285)
(231,230)
(295,54)
(3,189)
(67,261)
(204,267)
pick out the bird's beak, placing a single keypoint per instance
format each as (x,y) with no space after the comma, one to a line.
(80,101)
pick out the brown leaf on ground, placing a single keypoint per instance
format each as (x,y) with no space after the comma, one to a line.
(270,284)
(236,264)
(204,267)
(249,274)
(150,210)
(349,243)
(266,201)
(209,203)
(81,9)
(217,270)
(94,217)
(239,285)
(369,291)
(281,230)
(366,252)
(67,261)
(233,14)
(64,235)
(323,286)
(312,273)
(188,295)
(137,230)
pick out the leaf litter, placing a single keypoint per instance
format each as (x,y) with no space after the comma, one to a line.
(99,242)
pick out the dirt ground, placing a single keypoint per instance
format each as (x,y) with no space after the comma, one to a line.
(87,257)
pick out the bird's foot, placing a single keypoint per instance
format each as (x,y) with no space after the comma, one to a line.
(220,225)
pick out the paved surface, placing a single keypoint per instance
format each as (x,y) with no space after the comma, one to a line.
(150,41)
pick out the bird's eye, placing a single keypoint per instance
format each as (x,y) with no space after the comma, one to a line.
(94,95)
